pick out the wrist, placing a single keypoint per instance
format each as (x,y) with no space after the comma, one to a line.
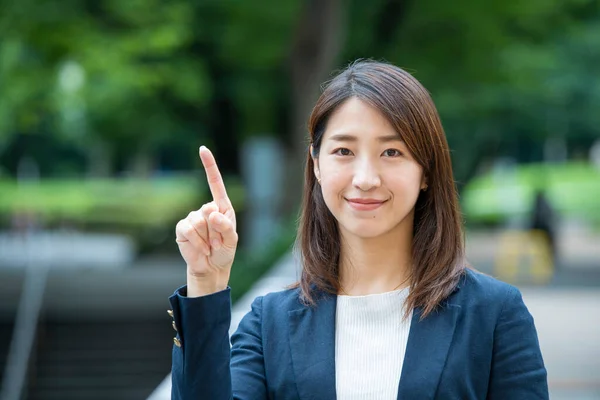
(204,285)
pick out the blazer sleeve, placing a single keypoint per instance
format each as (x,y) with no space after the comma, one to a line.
(518,370)
(204,365)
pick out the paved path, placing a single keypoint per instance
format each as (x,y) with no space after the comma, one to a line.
(568,324)
(567,320)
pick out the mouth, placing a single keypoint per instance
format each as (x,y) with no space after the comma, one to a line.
(365,204)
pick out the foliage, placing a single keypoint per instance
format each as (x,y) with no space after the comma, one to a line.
(504,75)
(138,85)
(147,71)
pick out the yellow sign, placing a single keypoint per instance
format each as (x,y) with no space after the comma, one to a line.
(524,254)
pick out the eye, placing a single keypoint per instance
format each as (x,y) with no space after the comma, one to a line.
(342,151)
(392,153)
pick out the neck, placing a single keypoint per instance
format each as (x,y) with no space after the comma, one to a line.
(375,265)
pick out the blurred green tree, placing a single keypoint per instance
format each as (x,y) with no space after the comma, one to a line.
(108,76)
(504,75)
(127,82)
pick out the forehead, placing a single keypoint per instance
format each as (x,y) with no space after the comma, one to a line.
(356,120)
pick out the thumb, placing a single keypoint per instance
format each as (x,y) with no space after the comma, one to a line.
(226,227)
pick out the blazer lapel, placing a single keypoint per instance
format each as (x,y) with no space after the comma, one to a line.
(426,352)
(312,341)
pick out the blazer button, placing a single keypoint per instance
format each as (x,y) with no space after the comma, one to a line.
(177,342)
(174,326)
(170,312)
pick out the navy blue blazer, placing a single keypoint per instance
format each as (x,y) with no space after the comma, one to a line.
(481,344)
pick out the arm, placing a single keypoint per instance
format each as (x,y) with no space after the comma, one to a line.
(205,367)
(518,370)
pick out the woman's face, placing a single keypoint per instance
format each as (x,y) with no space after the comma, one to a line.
(369,180)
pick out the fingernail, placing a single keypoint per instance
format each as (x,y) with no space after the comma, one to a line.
(216,244)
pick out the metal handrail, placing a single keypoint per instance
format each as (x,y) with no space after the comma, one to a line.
(26,322)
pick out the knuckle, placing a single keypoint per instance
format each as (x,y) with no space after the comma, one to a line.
(189,230)
(199,223)
(207,208)
(215,178)
(194,217)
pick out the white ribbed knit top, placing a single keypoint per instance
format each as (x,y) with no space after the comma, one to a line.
(370,343)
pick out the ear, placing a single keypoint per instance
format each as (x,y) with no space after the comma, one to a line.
(424,184)
(315,160)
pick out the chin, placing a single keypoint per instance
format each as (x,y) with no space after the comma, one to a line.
(368,230)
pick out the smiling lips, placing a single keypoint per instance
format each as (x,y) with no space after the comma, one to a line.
(365,204)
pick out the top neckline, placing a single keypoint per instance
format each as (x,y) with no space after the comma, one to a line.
(374,295)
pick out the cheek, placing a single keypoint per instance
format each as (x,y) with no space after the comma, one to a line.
(407,182)
(333,186)
(333,176)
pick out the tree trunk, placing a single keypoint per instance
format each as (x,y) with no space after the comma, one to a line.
(142,163)
(317,43)
(100,158)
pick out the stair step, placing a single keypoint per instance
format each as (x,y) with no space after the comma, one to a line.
(100,360)
(124,368)
(84,394)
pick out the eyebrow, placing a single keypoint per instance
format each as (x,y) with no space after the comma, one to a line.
(343,137)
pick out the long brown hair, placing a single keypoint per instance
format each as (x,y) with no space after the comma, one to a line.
(437,248)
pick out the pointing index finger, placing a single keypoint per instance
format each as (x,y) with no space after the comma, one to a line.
(213,176)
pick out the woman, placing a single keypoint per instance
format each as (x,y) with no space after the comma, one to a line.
(386,307)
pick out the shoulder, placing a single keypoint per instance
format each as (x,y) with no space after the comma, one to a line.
(477,289)
(475,281)
(279,302)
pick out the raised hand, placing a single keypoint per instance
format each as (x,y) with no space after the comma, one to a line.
(207,237)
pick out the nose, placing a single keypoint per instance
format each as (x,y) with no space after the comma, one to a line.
(366,176)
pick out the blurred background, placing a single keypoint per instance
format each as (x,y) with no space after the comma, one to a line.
(103,105)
